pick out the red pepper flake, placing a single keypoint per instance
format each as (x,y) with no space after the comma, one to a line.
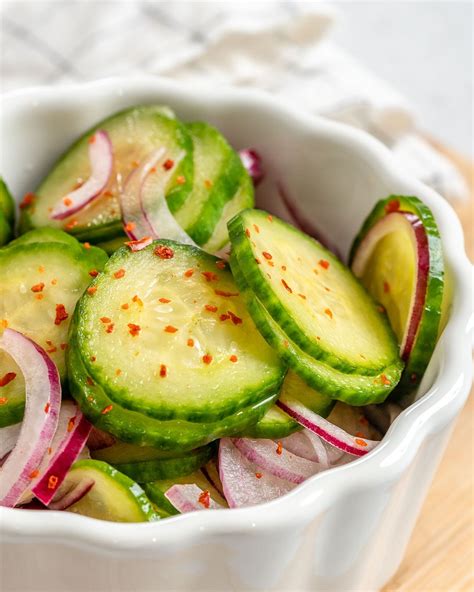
(89,381)
(360,442)
(108,193)
(286,344)
(233,358)
(70,424)
(247,233)
(258,475)
(70,225)
(63,346)
(138,245)
(207,358)
(162,370)
(93,358)
(257,261)
(129,226)
(271,264)
(302,296)
(210,276)
(170,329)
(208,183)
(190,342)
(105,320)
(27,200)
(91,139)
(189,273)
(91,290)
(235,319)
(279,449)
(153,169)
(270,218)
(37,287)
(205,499)
(266,255)
(3,400)
(257,229)
(386,287)
(52,350)
(392,206)
(50,450)
(86,245)
(381,308)
(41,269)
(181,180)
(283,267)
(135,164)
(125,306)
(134,330)
(316,271)
(221,264)
(414,377)
(224,317)
(107,409)
(39,296)
(363,420)
(52,482)
(225,294)
(118,372)
(168,164)
(323,263)
(34,474)
(61,314)
(137,300)
(67,201)
(164,300)
(359,435)
(93,273)
(47,407)
(210,307)
(110,328)
(328,312)
(164,252)
(119,274)
(385,381)
(286,286)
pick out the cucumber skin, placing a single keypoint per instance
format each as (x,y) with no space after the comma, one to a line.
(134,491)
(271,430)
(245,259)
(166,468)
(6,232)
(102,232)
(136,428)
(163,506)
(428,331)
(205,414)
(363,392)
(7,203)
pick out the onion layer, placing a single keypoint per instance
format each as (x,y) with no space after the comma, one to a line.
(190,497)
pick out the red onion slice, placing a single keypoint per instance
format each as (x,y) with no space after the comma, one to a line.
(211,472)
(245,483)
(66,496)
(308,445)
(252,162)
(190,497)
(43,400)
(276,460)
(101,161)
(68,442)
(8,437)
(325,429)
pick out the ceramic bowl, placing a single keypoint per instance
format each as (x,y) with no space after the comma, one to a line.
(346,529)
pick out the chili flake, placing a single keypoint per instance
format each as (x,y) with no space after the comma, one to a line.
(108,193)
(235,319)
(392,206)
(138,245)
(70,225)
(61,314)
(41,269)
(190,342)
(324,264)
(360,442)
(93,358)
(188,273)
(125,306)
(34,474)
(205,499)
(257,229)
(164,252)
(52,482)
(328,312)
(162,370)
(134,330)
(37,287)
(233,358)
(386,287)
(224,317)
(270,218)
(302,296)
(221,264)
(54,281)
(286,286)
(63,346)
(110,328)
(91,290)
(86,245)
(170,329)
(279,449)
(286,344)
(91,139)
(385,380)
(4,323)
(168,164)
(28,199)
(52,350)
(129,226)
(67,201)
(181,180)
(414,377)
(266,255)
(3,400)
(107,409)
(118,372)
(258,475)
(247,233)
(208,183)
(225,294)
(137,300)
(210,276)
(164,300)
(207,358)
(70,424)
(283,267)
(89,381)
(119,274)
(380,308)
(257,261)
(105,320)
(210,307)
(47,408)
(39,296)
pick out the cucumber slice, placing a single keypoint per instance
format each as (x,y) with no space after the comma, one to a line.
(137,428)
(144,463)
(36,279)
(134,133)
(218,172)
(274,424)
(113,497)
(7,203)
(352,388)
(177,358)
(399,259)
(315,299)
(46,235)
(6,232)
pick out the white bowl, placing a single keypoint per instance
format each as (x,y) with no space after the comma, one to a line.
(345,529)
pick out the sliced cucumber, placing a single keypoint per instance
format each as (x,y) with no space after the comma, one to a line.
(169,354)
(274,424)
(6,231)
(7,203)
(134,134)
(148,464)
(398,257)
(37,278)
(354,389)
(113,496)
(137,428)
(218,172)
(315,299)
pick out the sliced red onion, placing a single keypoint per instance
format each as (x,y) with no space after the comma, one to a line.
(252,162)
(67,496)
(276,460)
(211,472)
(8,437)
(190,497)
(308,445)
(101,160)
(245,483)
(43,400)
(326,430)
(68,442)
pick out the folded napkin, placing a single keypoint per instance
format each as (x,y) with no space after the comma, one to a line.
(283,48)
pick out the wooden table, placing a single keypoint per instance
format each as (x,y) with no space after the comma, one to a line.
(440,556)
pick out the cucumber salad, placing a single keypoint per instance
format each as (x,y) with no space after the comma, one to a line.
(166,347)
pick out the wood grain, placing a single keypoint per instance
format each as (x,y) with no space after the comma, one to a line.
(440,556)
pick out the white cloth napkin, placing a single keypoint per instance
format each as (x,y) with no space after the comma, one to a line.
(283,48)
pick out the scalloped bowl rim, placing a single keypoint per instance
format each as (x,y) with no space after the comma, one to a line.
(442,401)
